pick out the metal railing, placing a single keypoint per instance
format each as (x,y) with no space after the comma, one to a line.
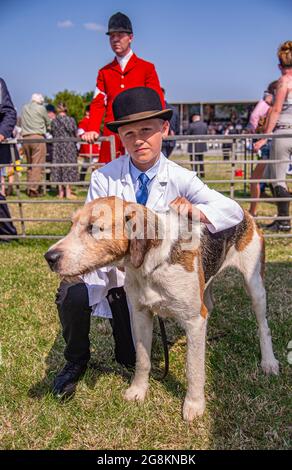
(239,154)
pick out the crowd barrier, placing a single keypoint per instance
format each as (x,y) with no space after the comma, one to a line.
(240,154)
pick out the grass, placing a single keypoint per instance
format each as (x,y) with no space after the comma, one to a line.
(245,409)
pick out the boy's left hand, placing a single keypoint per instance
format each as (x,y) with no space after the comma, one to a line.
(185,207)
(182,205)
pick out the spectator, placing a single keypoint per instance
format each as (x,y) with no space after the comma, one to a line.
(197,127)
(256,124)
(49,157)
(227,146)
(64,152)
(126,71)
(168,145)
(89,152)
(34,123)
(280,121)
(258,115)
(7,123)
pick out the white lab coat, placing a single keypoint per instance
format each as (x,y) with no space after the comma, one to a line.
(172,180)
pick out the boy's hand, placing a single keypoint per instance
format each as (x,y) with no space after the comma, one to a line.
(90,137)
(2,137)
(183,206)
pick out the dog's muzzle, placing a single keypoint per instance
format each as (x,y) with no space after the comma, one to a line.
(53,257)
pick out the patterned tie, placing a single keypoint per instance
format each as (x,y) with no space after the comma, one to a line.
(142,193)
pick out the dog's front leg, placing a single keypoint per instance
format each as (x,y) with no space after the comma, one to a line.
(143,328)
(194,404)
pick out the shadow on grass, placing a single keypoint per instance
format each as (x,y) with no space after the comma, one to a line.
(102,360)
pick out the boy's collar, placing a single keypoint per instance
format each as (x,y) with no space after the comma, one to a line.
(151,172)
(162,173)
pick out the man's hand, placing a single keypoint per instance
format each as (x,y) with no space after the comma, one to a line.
(90,137)
(2,137)
(183,206)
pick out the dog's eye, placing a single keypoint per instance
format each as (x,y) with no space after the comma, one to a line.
(95,228)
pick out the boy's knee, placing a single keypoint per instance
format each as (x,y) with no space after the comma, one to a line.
(73,297)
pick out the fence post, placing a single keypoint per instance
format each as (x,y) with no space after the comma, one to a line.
(113,147)
(233,158)
(245,167)
(12,150)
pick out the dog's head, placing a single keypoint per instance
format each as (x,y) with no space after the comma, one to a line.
(106,231)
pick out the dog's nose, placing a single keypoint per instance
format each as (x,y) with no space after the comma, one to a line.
(52,257)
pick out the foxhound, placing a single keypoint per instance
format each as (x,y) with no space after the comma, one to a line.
(170,265)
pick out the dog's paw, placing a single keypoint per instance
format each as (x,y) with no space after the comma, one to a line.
(193,408)
(270,367)
(135,393)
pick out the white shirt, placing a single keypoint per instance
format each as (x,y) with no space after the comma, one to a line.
(124,60)
(135,173)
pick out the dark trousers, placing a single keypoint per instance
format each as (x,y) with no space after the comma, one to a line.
(6,228)
(75,313)
(199,157)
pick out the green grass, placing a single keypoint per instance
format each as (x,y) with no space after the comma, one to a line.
(245,409)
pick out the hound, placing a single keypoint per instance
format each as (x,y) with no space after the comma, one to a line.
(170,266)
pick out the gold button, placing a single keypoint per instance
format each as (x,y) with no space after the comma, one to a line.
(122,85)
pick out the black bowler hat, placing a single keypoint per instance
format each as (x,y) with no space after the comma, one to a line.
(137,104)
(119,23)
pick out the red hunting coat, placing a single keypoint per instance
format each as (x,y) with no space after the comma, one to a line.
(111,81)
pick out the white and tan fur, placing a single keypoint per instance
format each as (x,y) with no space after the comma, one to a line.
(166,279)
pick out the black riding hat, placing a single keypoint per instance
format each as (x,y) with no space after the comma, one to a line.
(119,23)
(137,104)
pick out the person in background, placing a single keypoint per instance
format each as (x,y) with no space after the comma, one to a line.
(7,123)
(196,150)
(49,157)
(126,71)
(89,152)
(168,145)
(256,124)
(64,152)
(227,146)
(280,122)
(35,123)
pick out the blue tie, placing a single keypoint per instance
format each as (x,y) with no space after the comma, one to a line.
(142,193)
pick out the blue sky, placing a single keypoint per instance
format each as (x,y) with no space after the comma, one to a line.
(208,51)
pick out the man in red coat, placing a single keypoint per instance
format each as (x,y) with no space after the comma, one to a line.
(89,152)
(126,71)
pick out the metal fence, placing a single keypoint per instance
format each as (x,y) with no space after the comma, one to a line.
(240,154)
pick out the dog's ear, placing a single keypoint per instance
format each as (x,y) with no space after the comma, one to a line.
(136,227)
(138,250)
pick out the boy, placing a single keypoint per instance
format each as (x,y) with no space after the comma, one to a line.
(145,176)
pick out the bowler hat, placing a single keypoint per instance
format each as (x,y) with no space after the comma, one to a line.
(119,23)
(137,104)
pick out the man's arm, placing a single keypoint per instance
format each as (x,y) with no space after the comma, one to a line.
(152,81)
(97,110)
(46,119)
(7,112)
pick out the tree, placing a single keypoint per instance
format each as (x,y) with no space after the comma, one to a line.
(75,102)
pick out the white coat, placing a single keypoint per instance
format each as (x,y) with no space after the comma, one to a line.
(171,181)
